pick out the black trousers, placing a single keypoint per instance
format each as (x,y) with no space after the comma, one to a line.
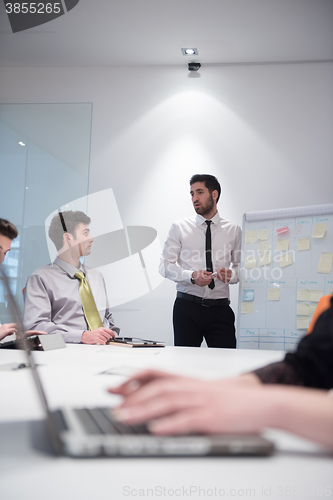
(193,322)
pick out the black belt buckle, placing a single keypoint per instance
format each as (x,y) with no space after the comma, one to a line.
(203,303)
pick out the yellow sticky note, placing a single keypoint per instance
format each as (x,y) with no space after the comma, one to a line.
(325,263)
(302,323)
(250,262)
(303,244)
(247,308)
(313,308)
(303,309)
(250,236)
(283,245)
(286,260)
(316,295)
(319,231)
(263,246)
(303,294)
(265,259)
(273,294)
(262,234)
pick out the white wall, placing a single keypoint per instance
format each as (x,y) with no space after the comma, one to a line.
(264,131)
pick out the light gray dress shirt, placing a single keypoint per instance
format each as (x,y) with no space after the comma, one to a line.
(52,302)
(184,252)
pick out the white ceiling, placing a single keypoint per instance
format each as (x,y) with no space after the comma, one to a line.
(152,32)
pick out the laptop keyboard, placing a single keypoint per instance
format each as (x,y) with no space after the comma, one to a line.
(99,421)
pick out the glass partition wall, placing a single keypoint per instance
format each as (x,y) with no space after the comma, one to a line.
(44,163)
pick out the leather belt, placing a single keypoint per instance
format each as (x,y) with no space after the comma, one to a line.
(203,302)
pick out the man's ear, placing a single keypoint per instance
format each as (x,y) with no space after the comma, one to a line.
(68,238)
(215,194)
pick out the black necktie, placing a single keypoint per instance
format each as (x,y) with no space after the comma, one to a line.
(209,264)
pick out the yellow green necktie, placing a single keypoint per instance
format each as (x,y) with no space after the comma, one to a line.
(88,302)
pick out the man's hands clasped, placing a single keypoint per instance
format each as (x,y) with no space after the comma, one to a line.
(99,336)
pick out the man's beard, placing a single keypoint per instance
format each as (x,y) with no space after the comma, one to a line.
(206,209)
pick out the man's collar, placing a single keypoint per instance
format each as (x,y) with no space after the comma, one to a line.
(201,220)
(68,268)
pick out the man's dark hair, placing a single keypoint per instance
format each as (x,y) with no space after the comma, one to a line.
(8,229)
(66,222)
(210,181)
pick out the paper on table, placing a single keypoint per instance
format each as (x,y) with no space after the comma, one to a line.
(250,236)
(319,231)
(286,260)
(303,309)
(248,294)
(263,246)
(302,323)
(325,263)
(247,308)
(303,244)
(283,245)
(316,295)
(329,292)
(250,262)
(265,259)
(262,234)
(273,294)
(303,294)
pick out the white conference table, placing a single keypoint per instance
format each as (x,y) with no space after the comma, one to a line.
(79,376)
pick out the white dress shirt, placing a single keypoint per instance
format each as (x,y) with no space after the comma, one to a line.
(184,252)
(52,302)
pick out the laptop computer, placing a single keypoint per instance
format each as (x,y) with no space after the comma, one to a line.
(94,432)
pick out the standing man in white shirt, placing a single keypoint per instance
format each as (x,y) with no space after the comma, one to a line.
(66,297)
(202,255)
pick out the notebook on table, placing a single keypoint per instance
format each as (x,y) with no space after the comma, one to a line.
(94,432)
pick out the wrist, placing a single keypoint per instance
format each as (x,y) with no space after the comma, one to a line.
(192,278)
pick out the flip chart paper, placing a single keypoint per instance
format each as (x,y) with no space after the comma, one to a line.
(250,262)
(265,259)
(319,231)
(316,295)
(262,234)
(303,244)
(303,294)
(263,246)
(303,309)
(302,323)
(248,294)
(286,260)
(325,263)
(250,236)
(273,294)
(283,245)
(247,308)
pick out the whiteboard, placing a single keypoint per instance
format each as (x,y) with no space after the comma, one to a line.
(277,298)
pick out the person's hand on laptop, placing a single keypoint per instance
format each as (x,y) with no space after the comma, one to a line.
(176,405)
(99,336)
(7,329)
(172,405)
(11,328)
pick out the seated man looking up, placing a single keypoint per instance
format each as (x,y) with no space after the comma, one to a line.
(66,297)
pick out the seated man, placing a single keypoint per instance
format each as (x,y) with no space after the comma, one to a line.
(66,297)
(8,233)
(172,404)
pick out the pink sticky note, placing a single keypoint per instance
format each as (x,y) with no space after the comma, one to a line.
(282,230)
